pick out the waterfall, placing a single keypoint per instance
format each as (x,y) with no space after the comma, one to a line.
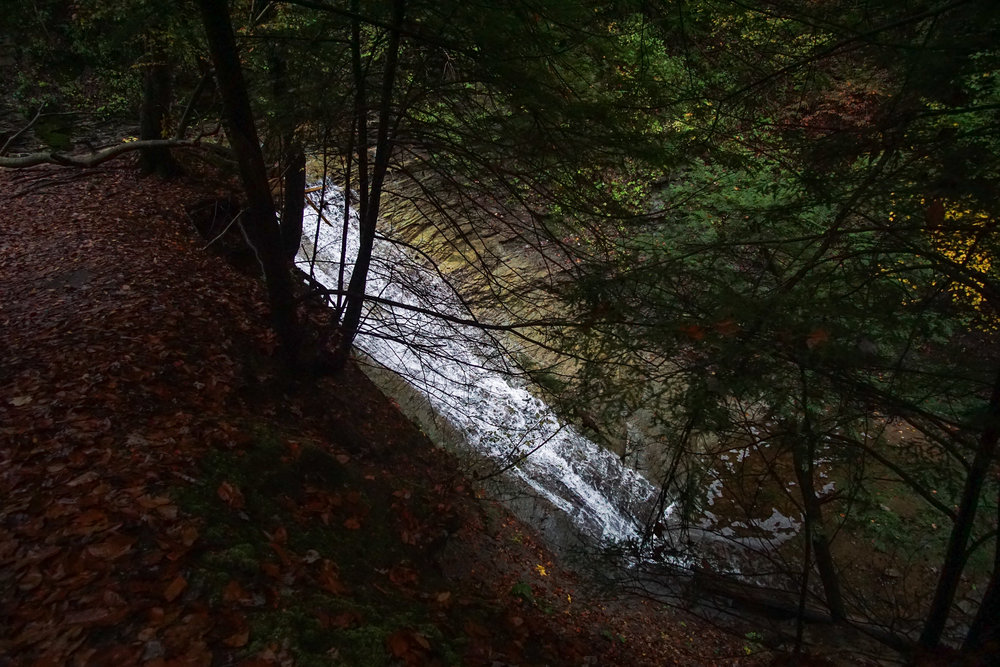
(462,373)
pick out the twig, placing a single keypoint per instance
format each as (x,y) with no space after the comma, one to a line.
(223,232)
(14,137)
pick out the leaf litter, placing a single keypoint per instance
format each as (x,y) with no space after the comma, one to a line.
(170,498)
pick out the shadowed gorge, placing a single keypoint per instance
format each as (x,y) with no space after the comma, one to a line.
(339,331)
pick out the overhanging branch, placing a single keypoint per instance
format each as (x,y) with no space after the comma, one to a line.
(319,288)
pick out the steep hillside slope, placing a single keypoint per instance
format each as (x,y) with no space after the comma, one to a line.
(169,498)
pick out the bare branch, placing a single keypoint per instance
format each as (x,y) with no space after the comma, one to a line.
(412,32)
(14,137)
(319,288)
(185,120)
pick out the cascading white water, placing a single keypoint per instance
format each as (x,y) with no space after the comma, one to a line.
(459,370)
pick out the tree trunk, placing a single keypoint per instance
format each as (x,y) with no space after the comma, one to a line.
(371,192)
(261,224)
(188,113)
(152,112)
(803,455)
(958,541)
(294,163)
(983,637)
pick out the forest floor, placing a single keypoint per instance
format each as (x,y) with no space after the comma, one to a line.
(169,497)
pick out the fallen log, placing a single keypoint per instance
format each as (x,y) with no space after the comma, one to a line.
(770,602)
(94,158)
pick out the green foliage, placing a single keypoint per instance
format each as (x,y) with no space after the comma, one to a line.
(55,131)
(754,642)
(799,265)
(89,57)
(522,590)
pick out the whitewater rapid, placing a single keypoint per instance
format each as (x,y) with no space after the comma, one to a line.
(463,376)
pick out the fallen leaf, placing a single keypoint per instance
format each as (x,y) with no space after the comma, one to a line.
(112,548)
(280,535)
(409,646)
(329,578)
(30,580)
(91,521)
(231,495)
(402,575)
(398,643)
(727,327)
(175,588)
(238,639)
(150,502)
(474,629)
(189,535)
(693,331)
(157,616)
(18,401)
(44,553)
(343,620)
(168,512)
(84,478)
(112,599)
(352,524)
(816,338)
(234,592)
(96,616)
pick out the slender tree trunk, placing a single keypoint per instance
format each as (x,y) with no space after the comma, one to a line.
(804,460)
(261,224)
(800,617)
(294,162)
(152,113)
(958,541)
(803,455)
(983,637)
(371,192)
(188,113)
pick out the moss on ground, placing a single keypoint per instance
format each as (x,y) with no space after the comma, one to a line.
(275,551)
